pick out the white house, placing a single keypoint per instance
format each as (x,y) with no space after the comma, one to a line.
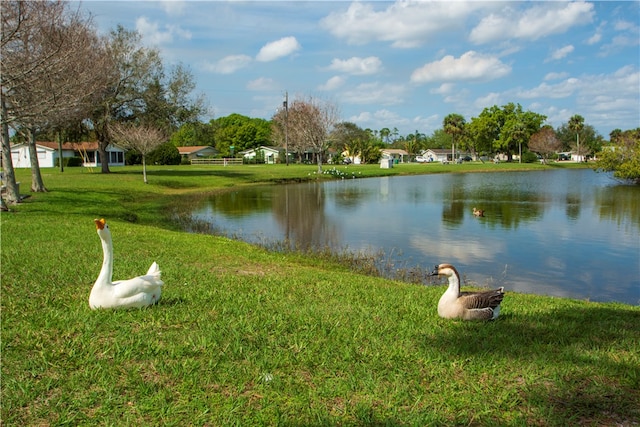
(270,154)
(396,154)
(437,155)
(91,157)
(48,154)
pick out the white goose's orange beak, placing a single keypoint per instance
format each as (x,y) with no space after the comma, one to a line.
(100,223)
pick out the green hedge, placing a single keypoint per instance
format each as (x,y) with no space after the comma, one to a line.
(69,161)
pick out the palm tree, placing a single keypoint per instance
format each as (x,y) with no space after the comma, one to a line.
(576,124)
(384,135)
(454,125)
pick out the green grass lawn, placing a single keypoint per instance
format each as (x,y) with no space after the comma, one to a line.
(246,336)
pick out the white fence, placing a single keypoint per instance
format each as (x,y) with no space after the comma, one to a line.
(219,162)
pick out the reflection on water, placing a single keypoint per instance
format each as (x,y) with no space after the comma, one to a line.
(568,233)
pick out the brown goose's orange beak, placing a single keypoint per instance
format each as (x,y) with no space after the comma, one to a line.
(100,223)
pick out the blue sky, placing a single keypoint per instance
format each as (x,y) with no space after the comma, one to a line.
(403,64)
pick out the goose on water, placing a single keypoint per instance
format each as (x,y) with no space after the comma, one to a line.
(140,291)
(478,212)
(454,304)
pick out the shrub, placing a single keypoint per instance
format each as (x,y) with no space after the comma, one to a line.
(69,161)
(529,157)
(133,157)
(166,154)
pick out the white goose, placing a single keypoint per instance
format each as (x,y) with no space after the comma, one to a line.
(140,291)
(466,305)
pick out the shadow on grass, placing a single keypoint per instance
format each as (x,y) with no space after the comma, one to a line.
(178,171)
(589,357)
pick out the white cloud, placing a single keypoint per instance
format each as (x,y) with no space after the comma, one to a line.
(403,23)
(597,36)
(262,83)
(560,53)
(471,66)
(610,93)
(623,25)
(459,97)
(559,90)
(278,49)
(154,35)
(428,124)
(555,76)
(443,89)
(557,116)
(356,65)
(537,22)
(492,98)
(333,83)
(362,117)
(229,64)
(374,93)
(628,36)
(603,99)
(174,7)
(389,118)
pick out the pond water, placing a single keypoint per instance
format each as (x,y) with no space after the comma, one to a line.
(568,233)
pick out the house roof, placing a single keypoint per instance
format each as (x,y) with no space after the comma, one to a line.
(192,149)
(70,146)
(395,151)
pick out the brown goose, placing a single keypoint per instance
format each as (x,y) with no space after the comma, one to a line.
(466,305)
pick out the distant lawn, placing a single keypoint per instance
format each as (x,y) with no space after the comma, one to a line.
(244,336)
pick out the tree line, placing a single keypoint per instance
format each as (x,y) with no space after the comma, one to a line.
(62,81)
(59,78)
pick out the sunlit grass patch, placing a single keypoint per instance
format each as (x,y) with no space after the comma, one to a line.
(250,335)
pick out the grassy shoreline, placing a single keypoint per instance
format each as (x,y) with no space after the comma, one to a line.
(245,336)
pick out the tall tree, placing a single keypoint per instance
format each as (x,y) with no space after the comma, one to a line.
(622,156)
(590,140)
(545,142)
(576,123)
(52,69)
(414,143)
(484,130)
(309,122)
(194,133)
(240,132)
(507,128)
(134,69)
(349,137)
(385,133)
(454,125)
(615,135)
(7,165)
(139,90)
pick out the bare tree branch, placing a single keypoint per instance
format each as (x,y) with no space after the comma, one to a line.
(53,66)
(143,138)
(309,123)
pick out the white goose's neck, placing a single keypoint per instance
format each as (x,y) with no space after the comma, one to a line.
(454,282)
(107,263)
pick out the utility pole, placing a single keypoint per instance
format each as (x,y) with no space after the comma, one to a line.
(285,104)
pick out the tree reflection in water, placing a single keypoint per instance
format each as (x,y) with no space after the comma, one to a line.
(562,232)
